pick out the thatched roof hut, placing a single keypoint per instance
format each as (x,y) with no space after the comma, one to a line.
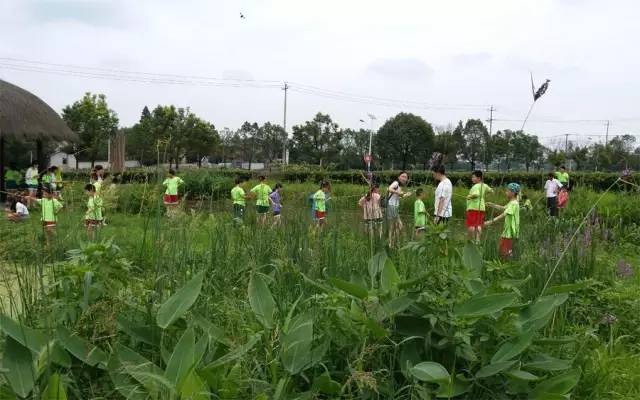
(25,117)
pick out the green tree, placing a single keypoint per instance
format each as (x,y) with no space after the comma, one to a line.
(579,155)
(449,143)
(200,138)
(476,137)
(405,138)
(246,138)
(94,123)
(271,140)
(556,157)
(526,149)
(317,141)
(355,144)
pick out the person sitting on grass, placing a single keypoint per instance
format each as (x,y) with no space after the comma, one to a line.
(50,207)
(320,203)
(171,194)
(276,204)
(419,213)
(93,216)
(262,191)
(372,212)
(511,216)
(17,211)
(476,206)
(238,197)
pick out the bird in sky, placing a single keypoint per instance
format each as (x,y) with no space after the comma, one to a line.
(242,16)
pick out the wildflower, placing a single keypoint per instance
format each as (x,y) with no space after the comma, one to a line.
(609,319)
(626,173)
(625,270)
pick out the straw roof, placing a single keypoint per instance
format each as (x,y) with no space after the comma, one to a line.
(26,117)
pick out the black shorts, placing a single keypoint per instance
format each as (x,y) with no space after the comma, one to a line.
(238,211)
(262,209)
(442,220)
(552,206)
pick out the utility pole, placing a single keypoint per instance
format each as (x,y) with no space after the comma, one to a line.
(491,110)
(606,135)
(284,126)
(486,145)
(566,143)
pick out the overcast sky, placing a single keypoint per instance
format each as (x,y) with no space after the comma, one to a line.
(434,52)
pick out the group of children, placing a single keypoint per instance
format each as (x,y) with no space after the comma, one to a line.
(266,198)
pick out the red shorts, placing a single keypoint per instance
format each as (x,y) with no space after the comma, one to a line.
(92,222)
(321,214)
(49,224)
(170,199)
(506,247)
(475,218)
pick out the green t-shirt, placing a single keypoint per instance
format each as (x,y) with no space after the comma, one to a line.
(419,213)
(563,177)
(172,185)
(94,208)
(12,175)
(512,220)
(50,208)
(262,192)
(237,195)
(319,200)
(479,190)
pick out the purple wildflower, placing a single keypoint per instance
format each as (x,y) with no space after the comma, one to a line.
(625,270)
(626,173)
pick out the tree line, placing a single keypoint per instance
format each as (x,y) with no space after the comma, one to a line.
(171,134)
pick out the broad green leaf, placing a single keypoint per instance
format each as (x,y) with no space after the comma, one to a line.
(472,259)
(182,359)
(149,334)
(485,305)
(376,264)
(180,302)
(194,388)
(350,288)
(231,383)
(80,348)
(261,300)
(569,287)
(122,381)
(549,396)
(412,326)
(52,353)
(429,371)
(535,315)
(560,384)
(522,375)
(28,337)
(397,305)
(375,328)
(555,341)
(546,363)
(215,333)
(451,389)
(494,369)
(296,344)
(324,384)
(142,370)
(235,353)
(55,389)
(18,361)
(389,278)
(513,348)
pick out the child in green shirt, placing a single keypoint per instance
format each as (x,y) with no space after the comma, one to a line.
(171,194)
(476,206)
(50,207)
(262,191)
(511,216)
(93,216)
(419,213)
(320,203)
(238,197)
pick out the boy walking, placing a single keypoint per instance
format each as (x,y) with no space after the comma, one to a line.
(476,206)
(320,203)
(171,194)
(93,216)
(262,192)
(50,207)
(552,188)
(419,214)
(238,197)
(511,216)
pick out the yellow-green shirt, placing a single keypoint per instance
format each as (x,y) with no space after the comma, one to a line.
(31,176)
(94,208)
(419,213)
(512,220)
(237,195)
(319,201)
(563,177)
(262,192)
(50,208)
(479,190)
(172,185)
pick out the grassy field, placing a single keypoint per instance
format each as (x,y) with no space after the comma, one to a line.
(195,307)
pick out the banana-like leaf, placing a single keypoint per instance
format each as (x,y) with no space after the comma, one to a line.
(429,371)
(80,348)
(261,300)
(485,305)
(180,302)
(513,348)
(194,388)
(235,353)
(182,359)
(296,344)
(494,369)
(28,337)
(389,278)
(350,288)
(55,389)
(17,359)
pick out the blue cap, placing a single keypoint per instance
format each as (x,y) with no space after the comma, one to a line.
(514,187)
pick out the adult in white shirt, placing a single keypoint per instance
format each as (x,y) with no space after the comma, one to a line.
(444,191)
(552,188)
(394,194)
